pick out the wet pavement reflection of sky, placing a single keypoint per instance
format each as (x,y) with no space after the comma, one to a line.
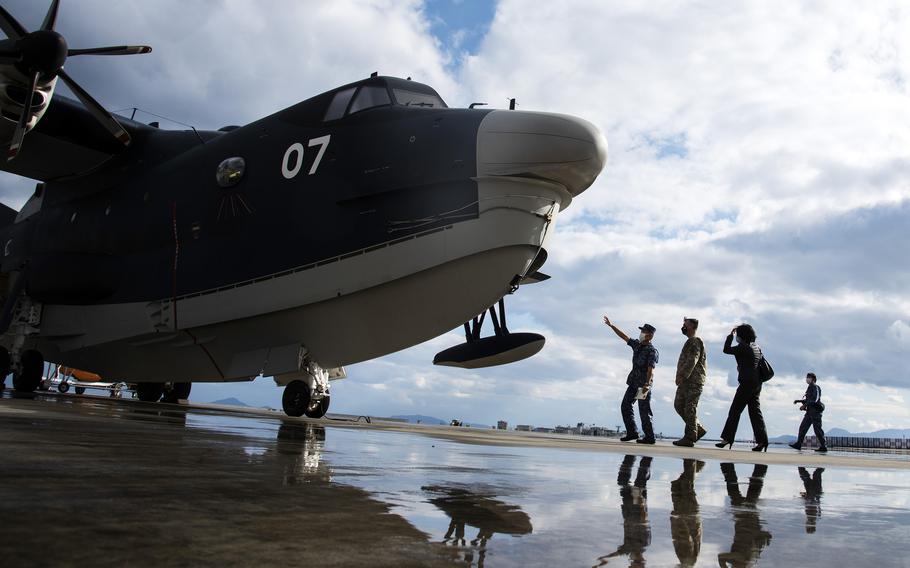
(519,506)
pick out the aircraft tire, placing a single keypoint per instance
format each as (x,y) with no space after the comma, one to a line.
(31,366)
(296,398)
(63,387)
(80,390)
(148,392)
(320,409)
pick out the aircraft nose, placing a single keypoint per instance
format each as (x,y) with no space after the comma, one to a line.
(556,147)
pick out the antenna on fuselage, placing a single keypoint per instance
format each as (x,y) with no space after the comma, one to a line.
(374,74)
(511,104)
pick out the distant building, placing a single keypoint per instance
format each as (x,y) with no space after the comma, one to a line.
(543,430)
(523,428)
(502,425)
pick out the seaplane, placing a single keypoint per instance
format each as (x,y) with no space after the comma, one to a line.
(357,223)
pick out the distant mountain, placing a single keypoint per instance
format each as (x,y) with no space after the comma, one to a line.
(784,439)
(230,402)
(892,433)
(419,419)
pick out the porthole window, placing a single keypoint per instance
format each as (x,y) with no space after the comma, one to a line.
(230,172)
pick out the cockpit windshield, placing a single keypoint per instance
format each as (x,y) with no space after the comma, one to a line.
(370,96)
(406,97)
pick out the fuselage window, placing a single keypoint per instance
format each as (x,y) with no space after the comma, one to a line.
(339,104)
(414,99)
(369,97)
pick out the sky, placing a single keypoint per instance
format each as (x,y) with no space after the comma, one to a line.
(758,172)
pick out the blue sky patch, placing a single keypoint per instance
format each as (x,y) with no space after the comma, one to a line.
(460,25)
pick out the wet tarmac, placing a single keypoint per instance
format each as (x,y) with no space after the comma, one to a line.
(93,481)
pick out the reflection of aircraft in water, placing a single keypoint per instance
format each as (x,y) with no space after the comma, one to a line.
(749,535)
(635,524)
(685,520)
(812,496)
(303,444)
(482,511)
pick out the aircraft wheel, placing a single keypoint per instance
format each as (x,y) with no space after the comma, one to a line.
(31,368)
(148,392)
(296,398)
(177,391)
(63,386)
(320,409)
(80,390)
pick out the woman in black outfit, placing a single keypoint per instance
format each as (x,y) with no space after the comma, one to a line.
(747,355)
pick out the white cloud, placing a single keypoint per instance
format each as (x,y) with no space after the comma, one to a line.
(899,331)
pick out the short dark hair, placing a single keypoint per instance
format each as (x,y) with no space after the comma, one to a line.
(692,321)
(746,332)
(811,376)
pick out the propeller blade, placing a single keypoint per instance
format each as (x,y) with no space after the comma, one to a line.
(16,145)
(10,26)
(51,17)
(115,50)
(101,115)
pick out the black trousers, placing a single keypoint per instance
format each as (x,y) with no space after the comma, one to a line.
(813,417)
(644,408)
(746,395)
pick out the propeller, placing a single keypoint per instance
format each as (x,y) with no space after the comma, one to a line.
(40,56)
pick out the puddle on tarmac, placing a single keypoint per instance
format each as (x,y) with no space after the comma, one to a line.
(496,506)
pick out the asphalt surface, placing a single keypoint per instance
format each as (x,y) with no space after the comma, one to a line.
(95,481)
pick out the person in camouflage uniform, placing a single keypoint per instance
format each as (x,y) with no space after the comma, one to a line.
(691,371)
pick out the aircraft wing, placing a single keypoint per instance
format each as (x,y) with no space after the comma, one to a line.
(67,142)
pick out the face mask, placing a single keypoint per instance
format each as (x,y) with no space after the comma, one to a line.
(683,330)
(642,336)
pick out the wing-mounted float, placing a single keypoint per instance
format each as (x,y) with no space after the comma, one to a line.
(30,64)
(503,346)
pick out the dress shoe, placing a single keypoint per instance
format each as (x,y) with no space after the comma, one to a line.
(821,449)
(796,446)
(629,438)
(685,442)
(645,440)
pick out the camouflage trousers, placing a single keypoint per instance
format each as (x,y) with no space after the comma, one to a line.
(686,405)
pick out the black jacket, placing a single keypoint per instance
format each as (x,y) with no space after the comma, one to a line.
(747,357)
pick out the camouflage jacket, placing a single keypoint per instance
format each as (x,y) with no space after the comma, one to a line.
(692,367)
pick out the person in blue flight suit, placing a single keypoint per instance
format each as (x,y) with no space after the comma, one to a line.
(640,381)
(812,404)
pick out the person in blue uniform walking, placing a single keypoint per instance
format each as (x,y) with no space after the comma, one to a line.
(640,381)
(812,404)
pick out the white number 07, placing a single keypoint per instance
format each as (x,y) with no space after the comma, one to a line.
(294,154)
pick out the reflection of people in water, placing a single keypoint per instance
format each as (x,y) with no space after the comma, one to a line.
(473,508)
(749,536)
(635,525)
(812,496)
(685,521)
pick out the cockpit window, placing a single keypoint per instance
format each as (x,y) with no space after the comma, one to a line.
(369,97)
(414,99)
(339,104)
